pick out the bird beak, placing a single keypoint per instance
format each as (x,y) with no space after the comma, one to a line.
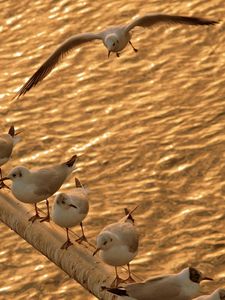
(71,205)
(96,251)
(207,278)
(78,183)
(109,53)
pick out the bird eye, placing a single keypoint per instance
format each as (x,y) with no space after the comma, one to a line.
(105,243)
(114,44)
(14,175)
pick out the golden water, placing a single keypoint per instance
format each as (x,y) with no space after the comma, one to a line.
(148,129)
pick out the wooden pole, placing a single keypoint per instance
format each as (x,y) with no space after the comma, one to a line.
(77,261)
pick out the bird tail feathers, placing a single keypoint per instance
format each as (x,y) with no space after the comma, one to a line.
(128,214)
(116,291)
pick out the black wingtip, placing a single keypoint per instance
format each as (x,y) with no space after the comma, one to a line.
(11,131)
(212,22)
(128,214)
(78,183)
(116,291)
(201,21)
(71,161)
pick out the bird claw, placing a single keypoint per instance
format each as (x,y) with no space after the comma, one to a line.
(3,185)
(34,218)
(81,239)
(130,279)
(45,219)
(66,245)
(116,282)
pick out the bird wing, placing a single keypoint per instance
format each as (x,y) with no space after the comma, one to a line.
(152,19)
(156,288)
(127,233)
(79,198)
(47,181)
(55,58)
(5,148)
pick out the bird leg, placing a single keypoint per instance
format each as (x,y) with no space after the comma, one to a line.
(2,184)
(68,243)
(135,50)
(130,279)
(117,280)
(83,237)
(36,216)
(47,218)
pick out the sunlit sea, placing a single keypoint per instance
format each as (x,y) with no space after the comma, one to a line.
(148,128)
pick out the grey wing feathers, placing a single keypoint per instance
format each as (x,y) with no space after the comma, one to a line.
(5,148)
(55,57)
(48,181)
(153,19)
(156,288)
(127,233)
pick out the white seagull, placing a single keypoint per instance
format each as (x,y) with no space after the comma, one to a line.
(33,186)
(218,294)
(115,39)
(118,244)
(182,286)
(70,210)
(7,143)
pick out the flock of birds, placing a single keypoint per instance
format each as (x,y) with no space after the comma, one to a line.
(117,243)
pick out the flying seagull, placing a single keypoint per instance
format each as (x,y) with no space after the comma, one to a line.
(115,39)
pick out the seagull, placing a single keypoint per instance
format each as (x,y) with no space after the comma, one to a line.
(32,186)
(218,294)
(182,286)
(115,39)
(70,210)
(7,143)
(118,244)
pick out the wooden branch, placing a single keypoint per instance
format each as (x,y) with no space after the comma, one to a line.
(77,261)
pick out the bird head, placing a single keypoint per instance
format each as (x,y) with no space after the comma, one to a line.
(197,276)
(63,200)
(18,173)
(104,241)
(112,43)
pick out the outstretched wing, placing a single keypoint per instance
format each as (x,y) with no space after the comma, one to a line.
(152,19)
(55,58)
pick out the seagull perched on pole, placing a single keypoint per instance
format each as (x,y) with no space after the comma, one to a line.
(181,286)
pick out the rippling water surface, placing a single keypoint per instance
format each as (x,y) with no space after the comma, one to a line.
(148,129)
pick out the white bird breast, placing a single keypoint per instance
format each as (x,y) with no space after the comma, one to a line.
(67,217)
(118,255)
